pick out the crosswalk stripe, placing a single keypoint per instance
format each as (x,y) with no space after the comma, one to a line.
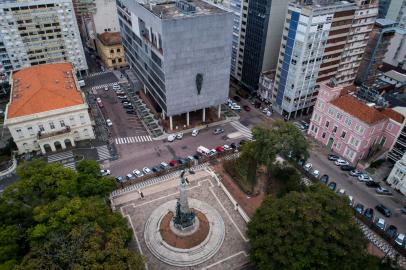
(133,139)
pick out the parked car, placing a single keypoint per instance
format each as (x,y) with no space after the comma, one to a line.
(341,191)
(400,240)
(369,214)
(351,200)
(172,163)
(100,104)
(383,191)
(171,138)
(119,179)
(190,158)
(130,112)
(126,102)
(219,149)
(212,152)
(106,88)
(341,162)
(324,179)
(181,161)
(316,173)
(355,173)
(179,136)
(105,172)
(308,166)
(403,210)
(218,131)
(233,146)
(226,147)
(391,231)
(146,170)
(137,173)
(164,165)
(109,123)
(131,107)
(304,124)
(359,208)
(301,162)
(383,210)
(364,178)
(98,99)
(197,156)
(129,176)
(246,108)
(380,224)
(332,186)
(347,168)
(332,157)
(372,184)
(156,169)
(195,132)
(299,126)
(122,97)
(237,98)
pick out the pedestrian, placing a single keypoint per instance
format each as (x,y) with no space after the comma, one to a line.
(236,206)
(142,195)
(187,181)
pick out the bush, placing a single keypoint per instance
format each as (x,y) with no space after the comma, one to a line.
(241,176)
(377,163)
(284,179)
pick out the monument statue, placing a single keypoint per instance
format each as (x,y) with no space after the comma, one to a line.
(184,217)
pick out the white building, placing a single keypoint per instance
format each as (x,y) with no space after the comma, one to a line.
(265,85)
(38,32)
(397,177)
(397,12)
(47,111)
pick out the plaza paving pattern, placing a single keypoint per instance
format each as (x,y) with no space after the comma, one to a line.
(233,252)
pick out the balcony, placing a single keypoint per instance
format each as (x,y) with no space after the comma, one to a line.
(45,135)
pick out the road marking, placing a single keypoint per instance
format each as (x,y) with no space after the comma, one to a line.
(133,139)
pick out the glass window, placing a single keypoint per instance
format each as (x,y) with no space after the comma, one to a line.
(343,134)
(62,123)
(30,130)
(334,129)
(327,123)
(41,128)
(330,111)
(51,125)
(348,121)
(19,132)
(339,116)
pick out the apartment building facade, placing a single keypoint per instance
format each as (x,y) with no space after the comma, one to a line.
(350,127)
(38,32)
(397,177)
(321,40)
(111,50)
(47,111)
(181,52)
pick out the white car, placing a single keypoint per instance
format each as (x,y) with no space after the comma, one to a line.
(351,199)
(341,162)
(364,178)
(106,88)
(380,223)
(163,165)
(308,166)
(115,84)
(341,191)
(316,173)
(179,136)
(190,158)
(195,132)
(146,170)
(171,138)
(98,99)
(137,173)
(109,123)
(129,176)
(400,239)
(226,147)
(105,172)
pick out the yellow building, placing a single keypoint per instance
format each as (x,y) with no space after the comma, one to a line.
(111,50)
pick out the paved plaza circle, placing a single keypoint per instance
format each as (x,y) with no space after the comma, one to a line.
(184,256)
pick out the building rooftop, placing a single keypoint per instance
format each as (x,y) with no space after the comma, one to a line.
(110,38)
(365,113)
(396,76)
(386,22)
(43,88)
(182,8)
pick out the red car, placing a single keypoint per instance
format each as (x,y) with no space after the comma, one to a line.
(246,108)
(172,163)
(219,149)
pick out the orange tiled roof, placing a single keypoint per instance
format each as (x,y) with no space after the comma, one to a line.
(43,88)
(110,38)
(358,109)
(394,115)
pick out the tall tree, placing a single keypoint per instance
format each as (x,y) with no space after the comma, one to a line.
(314,229)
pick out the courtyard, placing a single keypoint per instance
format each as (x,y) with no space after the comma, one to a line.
(204,187)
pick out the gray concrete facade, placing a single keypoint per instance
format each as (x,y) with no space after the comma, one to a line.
(176,47)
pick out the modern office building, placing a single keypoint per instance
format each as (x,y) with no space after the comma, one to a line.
(111,50)
(321,39)
(38,32)
(396,53)
(372,59)
(397,12)
(181,52)
(47,110)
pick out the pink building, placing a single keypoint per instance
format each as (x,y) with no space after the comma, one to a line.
(351,128)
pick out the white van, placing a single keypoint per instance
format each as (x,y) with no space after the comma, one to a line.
(203,150)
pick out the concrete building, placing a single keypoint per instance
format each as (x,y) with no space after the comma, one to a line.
(397,12)
(396,53)
(397,177)
(181,52)
(111,50)
(383,8)
(321,40)
(47,111)
(351,128)
(379,40)
(398,80)
(38,32)
(266,84)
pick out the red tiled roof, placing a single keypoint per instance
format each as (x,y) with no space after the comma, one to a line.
(110,38)
(43,88)
(358,109)
(394,115)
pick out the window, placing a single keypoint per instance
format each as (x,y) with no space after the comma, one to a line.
(19,133)
(62,123)
(343,134)
(339,116)
(113,61)
(72,120)
(334,129)
(330,111)
(354,142)
(51,125)
(348,121)
(338,146)
(41,128)
(327,124)
(321,105)
(389,127)
(323,135)
(120,60)
(118,50)
(111,51)
(30,130)
(360,129)
(349,153)
(383,140)
(82,119)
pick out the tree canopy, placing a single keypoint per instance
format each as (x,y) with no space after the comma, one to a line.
(314,229)
(56,218)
